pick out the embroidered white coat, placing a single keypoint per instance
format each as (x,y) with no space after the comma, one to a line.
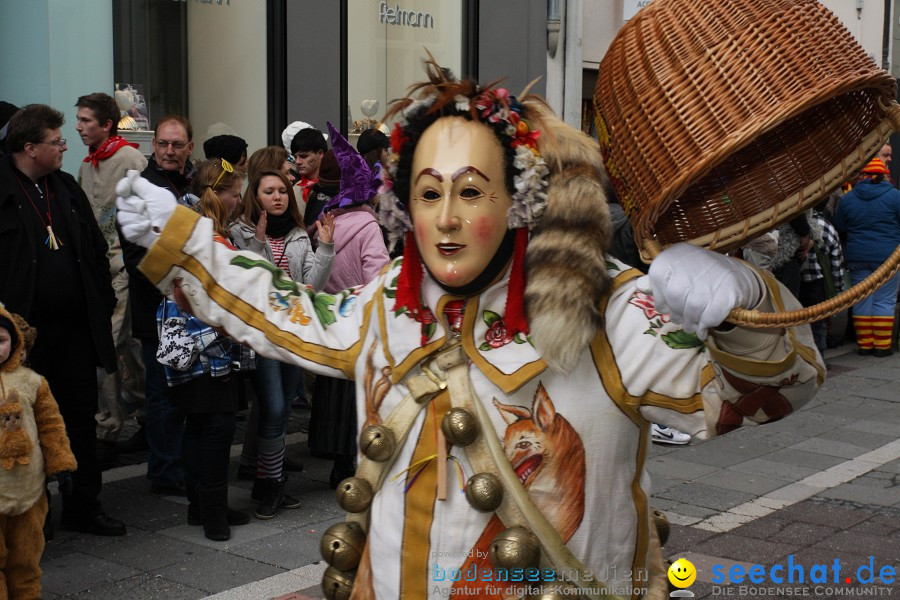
(641,368)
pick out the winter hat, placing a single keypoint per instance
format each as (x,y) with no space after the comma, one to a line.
(371,139)
(876,165)
(229,147)
(287,136)
(219,128)
(358,183)
(329,170)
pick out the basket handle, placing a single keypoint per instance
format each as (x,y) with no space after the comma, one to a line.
(762,320)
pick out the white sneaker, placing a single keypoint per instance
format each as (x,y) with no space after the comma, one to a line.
(668,435)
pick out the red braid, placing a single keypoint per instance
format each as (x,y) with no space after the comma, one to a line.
(515,295)
(409,283)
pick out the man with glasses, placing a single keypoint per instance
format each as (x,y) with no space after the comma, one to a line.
(54,272)
(109,157)
(168,167)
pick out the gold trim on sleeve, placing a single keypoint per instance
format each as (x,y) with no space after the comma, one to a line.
(255,318)
(169,248)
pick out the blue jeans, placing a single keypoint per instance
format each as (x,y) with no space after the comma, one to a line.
(880,303)
(164,425)
(274,384)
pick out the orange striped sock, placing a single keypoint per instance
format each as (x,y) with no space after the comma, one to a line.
(864,335)
(882,328)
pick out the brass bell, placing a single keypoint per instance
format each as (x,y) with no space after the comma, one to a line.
(459,427)
(342,545)
(354,494)
(337,585)
(377,443)
(515,548)
(484,492)
(662,526)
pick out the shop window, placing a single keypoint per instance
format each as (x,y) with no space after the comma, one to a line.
(150,53)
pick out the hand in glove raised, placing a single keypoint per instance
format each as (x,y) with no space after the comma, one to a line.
(698,288)
(143,208)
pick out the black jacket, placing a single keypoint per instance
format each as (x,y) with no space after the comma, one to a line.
(18,256)
(145,298)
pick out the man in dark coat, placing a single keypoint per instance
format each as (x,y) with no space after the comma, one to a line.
(170,168)
(55,273)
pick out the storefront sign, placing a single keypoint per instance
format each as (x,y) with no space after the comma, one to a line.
(632,6)
(409,18)
(219,2)
(387,42)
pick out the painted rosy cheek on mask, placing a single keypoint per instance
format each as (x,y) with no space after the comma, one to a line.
(484,229)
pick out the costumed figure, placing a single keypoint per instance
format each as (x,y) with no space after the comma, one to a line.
(507,370)
(33,445)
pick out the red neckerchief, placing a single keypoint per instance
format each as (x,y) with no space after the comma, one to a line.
(305,185)
(110,147)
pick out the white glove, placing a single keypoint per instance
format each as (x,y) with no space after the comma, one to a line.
(143,208)
(698,288)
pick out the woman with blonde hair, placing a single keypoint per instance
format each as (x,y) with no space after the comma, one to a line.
(218,186)
(205,390)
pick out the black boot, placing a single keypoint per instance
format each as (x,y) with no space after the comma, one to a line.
(214,512)
(235,517)
(273,494)
(259,490)
(195,515)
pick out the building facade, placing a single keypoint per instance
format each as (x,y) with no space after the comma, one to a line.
(253,66)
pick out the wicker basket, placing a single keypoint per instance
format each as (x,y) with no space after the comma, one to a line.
(721,120)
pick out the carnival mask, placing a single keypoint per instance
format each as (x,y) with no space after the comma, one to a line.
(458,199)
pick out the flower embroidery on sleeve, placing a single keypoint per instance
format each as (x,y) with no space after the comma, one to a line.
(678,339)
(646,303)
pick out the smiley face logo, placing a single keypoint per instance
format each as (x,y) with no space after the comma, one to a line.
(682,573)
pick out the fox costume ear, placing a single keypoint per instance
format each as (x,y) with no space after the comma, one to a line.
(512,413)
(565,263)
(542,408)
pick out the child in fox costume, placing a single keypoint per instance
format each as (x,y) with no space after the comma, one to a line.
(33,445)
(507,369)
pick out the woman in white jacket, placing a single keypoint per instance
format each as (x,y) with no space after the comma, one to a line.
(272,226)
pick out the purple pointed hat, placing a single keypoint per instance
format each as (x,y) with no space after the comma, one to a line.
(359,184)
